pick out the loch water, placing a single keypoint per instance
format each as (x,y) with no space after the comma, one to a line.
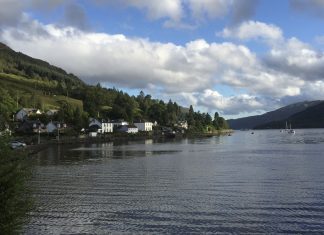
(266,182)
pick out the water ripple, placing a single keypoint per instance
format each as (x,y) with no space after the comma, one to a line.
(240,184)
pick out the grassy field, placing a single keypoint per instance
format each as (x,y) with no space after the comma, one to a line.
(25,88)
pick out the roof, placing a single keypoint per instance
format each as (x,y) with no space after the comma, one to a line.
(128,126)
(142,121)
(118,121)
(99,120)
(53,110)
(56,122)
(29,110)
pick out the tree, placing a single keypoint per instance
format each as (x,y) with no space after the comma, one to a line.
(216,115)
(15,198)
(80,119)
(33,100)
(215,121)
(66,112)
(144,104)
(171,113)
(222,123)
(124,107)
(141,96)
(7,107)
(208,119)
(191,118)
(156,113)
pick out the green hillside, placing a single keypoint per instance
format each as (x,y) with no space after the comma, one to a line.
(34,93)
(16,63)
(35,83)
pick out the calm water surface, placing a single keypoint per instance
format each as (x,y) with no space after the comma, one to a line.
(269,182)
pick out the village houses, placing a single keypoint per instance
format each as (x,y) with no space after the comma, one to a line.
(101,127)
(24,113)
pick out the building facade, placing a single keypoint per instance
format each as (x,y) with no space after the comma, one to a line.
(101,126)
(107,127)
(128,129)
(144,126)
(54,126)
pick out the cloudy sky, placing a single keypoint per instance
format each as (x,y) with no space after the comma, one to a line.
(238,57)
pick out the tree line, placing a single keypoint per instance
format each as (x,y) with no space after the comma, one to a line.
(110,103)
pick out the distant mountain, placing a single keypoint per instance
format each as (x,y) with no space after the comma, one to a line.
(312,117)
(271,117)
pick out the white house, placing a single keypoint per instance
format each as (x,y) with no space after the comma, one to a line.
(144,126)
(25,112)
(51,112)
(183,124)
(101,126)
(128,129)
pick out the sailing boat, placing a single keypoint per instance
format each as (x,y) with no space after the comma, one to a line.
(291,131)
(286,129)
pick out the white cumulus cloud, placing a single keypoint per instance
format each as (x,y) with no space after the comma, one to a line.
(229,105)
(253,30)
(297,59)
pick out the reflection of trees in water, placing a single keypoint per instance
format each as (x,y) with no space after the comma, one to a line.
(15,199)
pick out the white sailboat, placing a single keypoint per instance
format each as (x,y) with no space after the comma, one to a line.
(288,129)
(291,131)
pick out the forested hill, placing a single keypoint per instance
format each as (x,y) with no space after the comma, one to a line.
(312,117)
(29,82)
(273,116)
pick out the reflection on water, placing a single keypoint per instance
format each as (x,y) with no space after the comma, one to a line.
(59,154)
(269,182)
